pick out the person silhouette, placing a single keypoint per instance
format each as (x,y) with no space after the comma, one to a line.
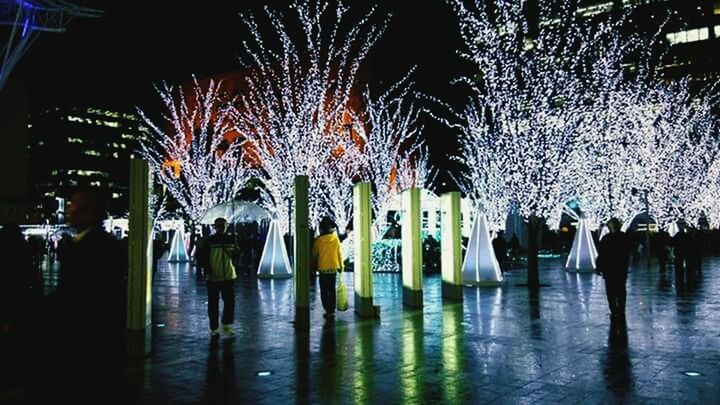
(613,260)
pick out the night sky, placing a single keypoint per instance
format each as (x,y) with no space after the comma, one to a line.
(113,61)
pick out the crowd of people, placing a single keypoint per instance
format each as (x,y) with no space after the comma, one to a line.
(89,301)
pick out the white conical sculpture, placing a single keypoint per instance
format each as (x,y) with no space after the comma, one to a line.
(481,266)
(178,251)
(274,262)
(583,253)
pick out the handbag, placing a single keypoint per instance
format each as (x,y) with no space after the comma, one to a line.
(342,302)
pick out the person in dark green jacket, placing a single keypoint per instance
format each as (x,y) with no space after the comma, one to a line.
(216,257)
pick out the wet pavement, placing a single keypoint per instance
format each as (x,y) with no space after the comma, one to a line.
(501,345)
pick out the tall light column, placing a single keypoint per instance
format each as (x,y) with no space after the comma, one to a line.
(411,248)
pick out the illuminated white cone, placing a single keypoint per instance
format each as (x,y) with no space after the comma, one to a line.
(178,251)
(583,252)
(274,262)
(481,266)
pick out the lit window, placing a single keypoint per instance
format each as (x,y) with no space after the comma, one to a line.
(103,112)
(127,136)
(90,173)
(91,152)
(693,35)
(95,184)
(54,172)
(110,124)
(116,195)
(74,140)
(115,155)
(595,9)
(717,31)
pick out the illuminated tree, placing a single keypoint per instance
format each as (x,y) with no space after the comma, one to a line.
(393,157)
(531,97)
(297,91)
(679,152)
(190,151)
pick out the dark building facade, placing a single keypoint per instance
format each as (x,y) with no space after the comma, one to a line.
(690,28)
(78,149)
(14,108)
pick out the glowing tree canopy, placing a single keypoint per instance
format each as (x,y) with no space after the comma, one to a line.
(191,150)
(710,195)
(680,150)
(484,181)
(393,158)
(529,99)
(298,88)
(537,90)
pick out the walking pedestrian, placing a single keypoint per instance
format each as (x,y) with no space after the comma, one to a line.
(327,259)
(613,260)
(216,257)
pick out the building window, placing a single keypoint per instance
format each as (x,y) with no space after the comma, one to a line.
(74,140)
(105,113)
(111,124)
(73,118)
(595,9)
(693,35)
(92,152)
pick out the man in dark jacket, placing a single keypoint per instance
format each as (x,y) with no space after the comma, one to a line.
(613,261)
(89,311)
(216,258)
(500,248)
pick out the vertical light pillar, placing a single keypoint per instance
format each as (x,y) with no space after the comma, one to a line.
(362,220)
(411,248)
(139,285)
(450,245)
(302,254)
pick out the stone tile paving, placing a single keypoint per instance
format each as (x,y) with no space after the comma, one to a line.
(500,345)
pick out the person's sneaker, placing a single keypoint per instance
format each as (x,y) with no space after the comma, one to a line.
(228,330)
(215,332)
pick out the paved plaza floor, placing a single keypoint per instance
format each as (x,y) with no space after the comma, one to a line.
(500,345)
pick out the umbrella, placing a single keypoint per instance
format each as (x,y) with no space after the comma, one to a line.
(235,212)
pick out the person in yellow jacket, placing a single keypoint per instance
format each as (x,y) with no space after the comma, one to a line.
(327,259)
